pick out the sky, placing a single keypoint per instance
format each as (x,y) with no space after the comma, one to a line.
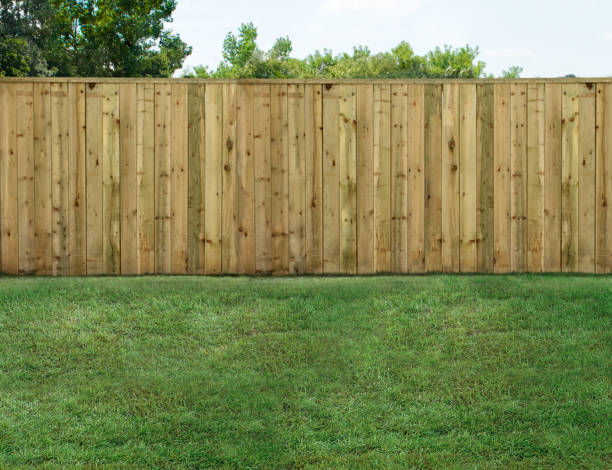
(548,38)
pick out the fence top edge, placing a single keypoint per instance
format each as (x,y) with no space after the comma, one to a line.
(350,81)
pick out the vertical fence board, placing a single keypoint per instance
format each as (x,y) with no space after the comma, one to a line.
(535,177)
(129,178)
(603,187)
(145,149)
(214,178)
(42,178)
(279,151)
(297,182)
(586,180)
(570,172)
(179,178)
(484,176)
(450,177)
(77,184)
(347,154)
(382,176)
(263,179)
(9,202)
(416,178)
(433,177)
(196,216)
(313,122)
(163,189)
(553,111)
(467,179)
(518,177)
(331,187)
(25,173)
(399,178)
(366,223)
(93,117)
(501,184)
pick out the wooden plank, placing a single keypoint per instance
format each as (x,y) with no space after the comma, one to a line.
(347,156)
(279,149)
(43,197)
(111,189)
(9,203)
(263,179)
(450,178)
(433,177)
(179,178)
(59,177)
(536,126)
(570,168)
(501,184)
(382,176)
(399,178)
(366,215)
(77,189)
(552,178)
(416,178)
(196,217)
(331,179)
(297,179)
(313,144)
(163,179)
(586,183)
(145,151)
(214,178)
(129,178)
(245,234)
(230,181)
(484,176)
(603,186)
(93,118)
(25,168)
(468,256)
(518,177)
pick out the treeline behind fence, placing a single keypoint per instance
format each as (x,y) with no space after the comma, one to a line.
(186,176)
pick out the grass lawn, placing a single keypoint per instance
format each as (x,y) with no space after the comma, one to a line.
(459,372)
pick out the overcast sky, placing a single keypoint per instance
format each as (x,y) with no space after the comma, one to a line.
(548,38)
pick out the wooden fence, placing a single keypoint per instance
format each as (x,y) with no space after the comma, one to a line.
(185,176)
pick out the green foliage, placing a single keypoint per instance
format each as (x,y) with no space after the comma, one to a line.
(512,72)
(378,372)
(243,59)
(123,38)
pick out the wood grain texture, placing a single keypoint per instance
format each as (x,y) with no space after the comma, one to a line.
(313,151)
(196,194)
(416,178)
(485,177)
(603,184)
(381,135)
(9,202)
(536,126)
(518,177)
(450,178)
(263,179)
(501,181)
(399,178)
(297,179)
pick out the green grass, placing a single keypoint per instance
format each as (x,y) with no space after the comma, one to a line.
(459,372)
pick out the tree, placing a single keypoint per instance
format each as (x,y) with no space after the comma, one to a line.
(243,59)
(121,38)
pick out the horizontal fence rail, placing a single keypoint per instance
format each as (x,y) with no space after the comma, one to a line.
(283,177)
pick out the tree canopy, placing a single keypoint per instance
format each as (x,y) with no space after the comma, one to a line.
(242,58)
(123,38)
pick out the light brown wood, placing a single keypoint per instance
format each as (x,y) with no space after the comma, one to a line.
(9,203)
(331,181)
(366,215)
(297,179)
(399,178)
(24,101)
(416,178)
(484,176)
(263,179)
(145,157)
(382,177)
(468,256)
(450,178)
(214,178)
(93,116)
(603,186)
(536,126)
(501,183)
(347,156)
(163,179)
(570,176)
(313,151)
(129,179)
(179,178)
(518,177)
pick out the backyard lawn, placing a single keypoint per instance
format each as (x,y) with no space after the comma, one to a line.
(459,372)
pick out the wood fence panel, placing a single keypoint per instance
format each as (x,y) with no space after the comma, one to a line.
(433,177)
(382,176)
(24,100)
(9,202)
(341,177)
(603,187)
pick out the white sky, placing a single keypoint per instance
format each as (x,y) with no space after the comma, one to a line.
(548,38)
